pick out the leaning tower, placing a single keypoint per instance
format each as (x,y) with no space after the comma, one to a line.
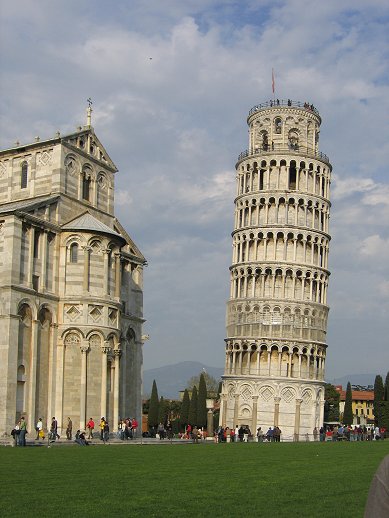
(277,311)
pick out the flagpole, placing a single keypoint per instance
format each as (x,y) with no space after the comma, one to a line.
(273,84)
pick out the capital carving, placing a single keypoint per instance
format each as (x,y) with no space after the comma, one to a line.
(117,353)
(84,349)
(277,400)
(105,348)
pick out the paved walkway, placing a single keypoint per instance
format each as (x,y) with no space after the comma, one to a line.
(8,441)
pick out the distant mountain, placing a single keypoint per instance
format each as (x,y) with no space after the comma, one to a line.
(355,379)
(173,378)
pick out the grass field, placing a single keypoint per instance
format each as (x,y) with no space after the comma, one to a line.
(246,480)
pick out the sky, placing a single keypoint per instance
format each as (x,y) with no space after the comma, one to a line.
(172,83)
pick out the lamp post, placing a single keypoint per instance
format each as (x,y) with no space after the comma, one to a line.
(210,403)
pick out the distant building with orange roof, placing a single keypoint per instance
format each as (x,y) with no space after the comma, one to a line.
(362,405)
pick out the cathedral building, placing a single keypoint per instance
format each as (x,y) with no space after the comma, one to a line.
(277,311)
(71,287)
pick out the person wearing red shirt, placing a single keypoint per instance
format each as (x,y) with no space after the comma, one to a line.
(91,427)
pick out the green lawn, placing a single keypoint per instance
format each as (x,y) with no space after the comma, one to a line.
(245,480)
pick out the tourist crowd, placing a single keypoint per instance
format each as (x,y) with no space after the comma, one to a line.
(350,433)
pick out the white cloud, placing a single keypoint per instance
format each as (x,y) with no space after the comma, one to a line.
(174,125)
(373,246)
(123,198)
(384,289)
(342,188)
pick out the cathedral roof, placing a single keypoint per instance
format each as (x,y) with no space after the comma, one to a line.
(26,205)
(87,222)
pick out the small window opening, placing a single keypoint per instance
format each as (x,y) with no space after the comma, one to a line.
(86,187)
(36,245)
(74,253)
(292,176)
(23,179)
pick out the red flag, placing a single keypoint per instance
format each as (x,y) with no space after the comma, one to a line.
(272,80)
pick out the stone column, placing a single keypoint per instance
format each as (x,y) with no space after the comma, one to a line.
(117,354)
(59,383)
(106,253)
(236,409)
(43,282)
(123,380)
(210,423)
(84,350)
(85,283)
(290,365)
(30,266)
(254,415)
(226,362)
(223,411)
(233,367)
(117,275)
(240,362)
(297,420)
(51,379)
(31,417)
(276,410)
(104,352)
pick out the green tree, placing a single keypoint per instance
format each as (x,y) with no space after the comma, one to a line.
(202,403)
(331,403)
(385,416)
(185,409)
(348,406)
(192,415)
(154,406)
(173,407)
(162,410)
(211,382)
(387,387)
(379,393)
(219,390)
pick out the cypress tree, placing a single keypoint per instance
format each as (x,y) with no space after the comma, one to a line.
(184,410)
(387,387)
(331,403)
(192,416)
(202,403)
(348,407)
(154,406)
(379,393)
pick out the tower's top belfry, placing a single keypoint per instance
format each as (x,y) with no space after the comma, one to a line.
(284,126)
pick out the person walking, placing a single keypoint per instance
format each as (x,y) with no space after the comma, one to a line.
(39,428)
(54,430)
